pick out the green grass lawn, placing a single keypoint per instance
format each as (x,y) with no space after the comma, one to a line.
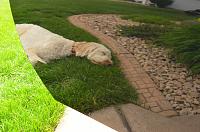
(85,86)
(52,14)
(73,81)
(166,17)
(25,103)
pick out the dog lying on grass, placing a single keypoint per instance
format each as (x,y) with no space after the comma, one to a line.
(42,46)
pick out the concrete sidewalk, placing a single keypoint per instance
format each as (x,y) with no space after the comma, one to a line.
(132,118)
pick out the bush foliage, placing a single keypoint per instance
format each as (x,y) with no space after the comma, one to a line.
(148,31)
(162,3)
(185,45)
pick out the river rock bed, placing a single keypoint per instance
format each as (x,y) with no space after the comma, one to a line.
(180,88)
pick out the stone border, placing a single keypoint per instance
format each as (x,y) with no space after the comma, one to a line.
(150,97)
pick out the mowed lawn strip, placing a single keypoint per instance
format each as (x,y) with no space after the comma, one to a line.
(25,103)
(52,14)
(84,86)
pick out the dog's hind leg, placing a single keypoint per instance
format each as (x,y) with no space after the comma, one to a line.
(34,58)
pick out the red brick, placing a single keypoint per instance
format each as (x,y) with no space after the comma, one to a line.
(139,70)
(146,95)
(152,99)
(134,85)
(140,82)
(143,105)
(129,55)
(151,85)
(165,105)
(134,78)
(142,86)
(156,109)
(128,75)
(151,90)
(160,97)
(142,99)
(134,63)
(146,80)
(146,105)
(136,75)
(128,70)
(156,93)
(136,66)
(142,91)
(153,104)
(168,113)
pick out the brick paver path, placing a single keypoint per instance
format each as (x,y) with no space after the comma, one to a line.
(150,97)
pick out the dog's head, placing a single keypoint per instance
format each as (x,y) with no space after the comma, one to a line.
(96,53)
(101,56)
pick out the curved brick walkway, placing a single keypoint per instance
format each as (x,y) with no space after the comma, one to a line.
(150,97)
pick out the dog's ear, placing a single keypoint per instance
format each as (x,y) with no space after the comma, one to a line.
(107,62)
(79,48)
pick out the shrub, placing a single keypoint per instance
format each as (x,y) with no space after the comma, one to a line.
(162,3)
(185,45)
(147,31)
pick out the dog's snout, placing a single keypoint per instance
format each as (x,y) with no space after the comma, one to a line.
(108,62)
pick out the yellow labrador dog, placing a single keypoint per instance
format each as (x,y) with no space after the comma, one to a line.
(42,45)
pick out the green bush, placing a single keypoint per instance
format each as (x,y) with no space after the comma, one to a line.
(148,31)
(185,45)
(162,3)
